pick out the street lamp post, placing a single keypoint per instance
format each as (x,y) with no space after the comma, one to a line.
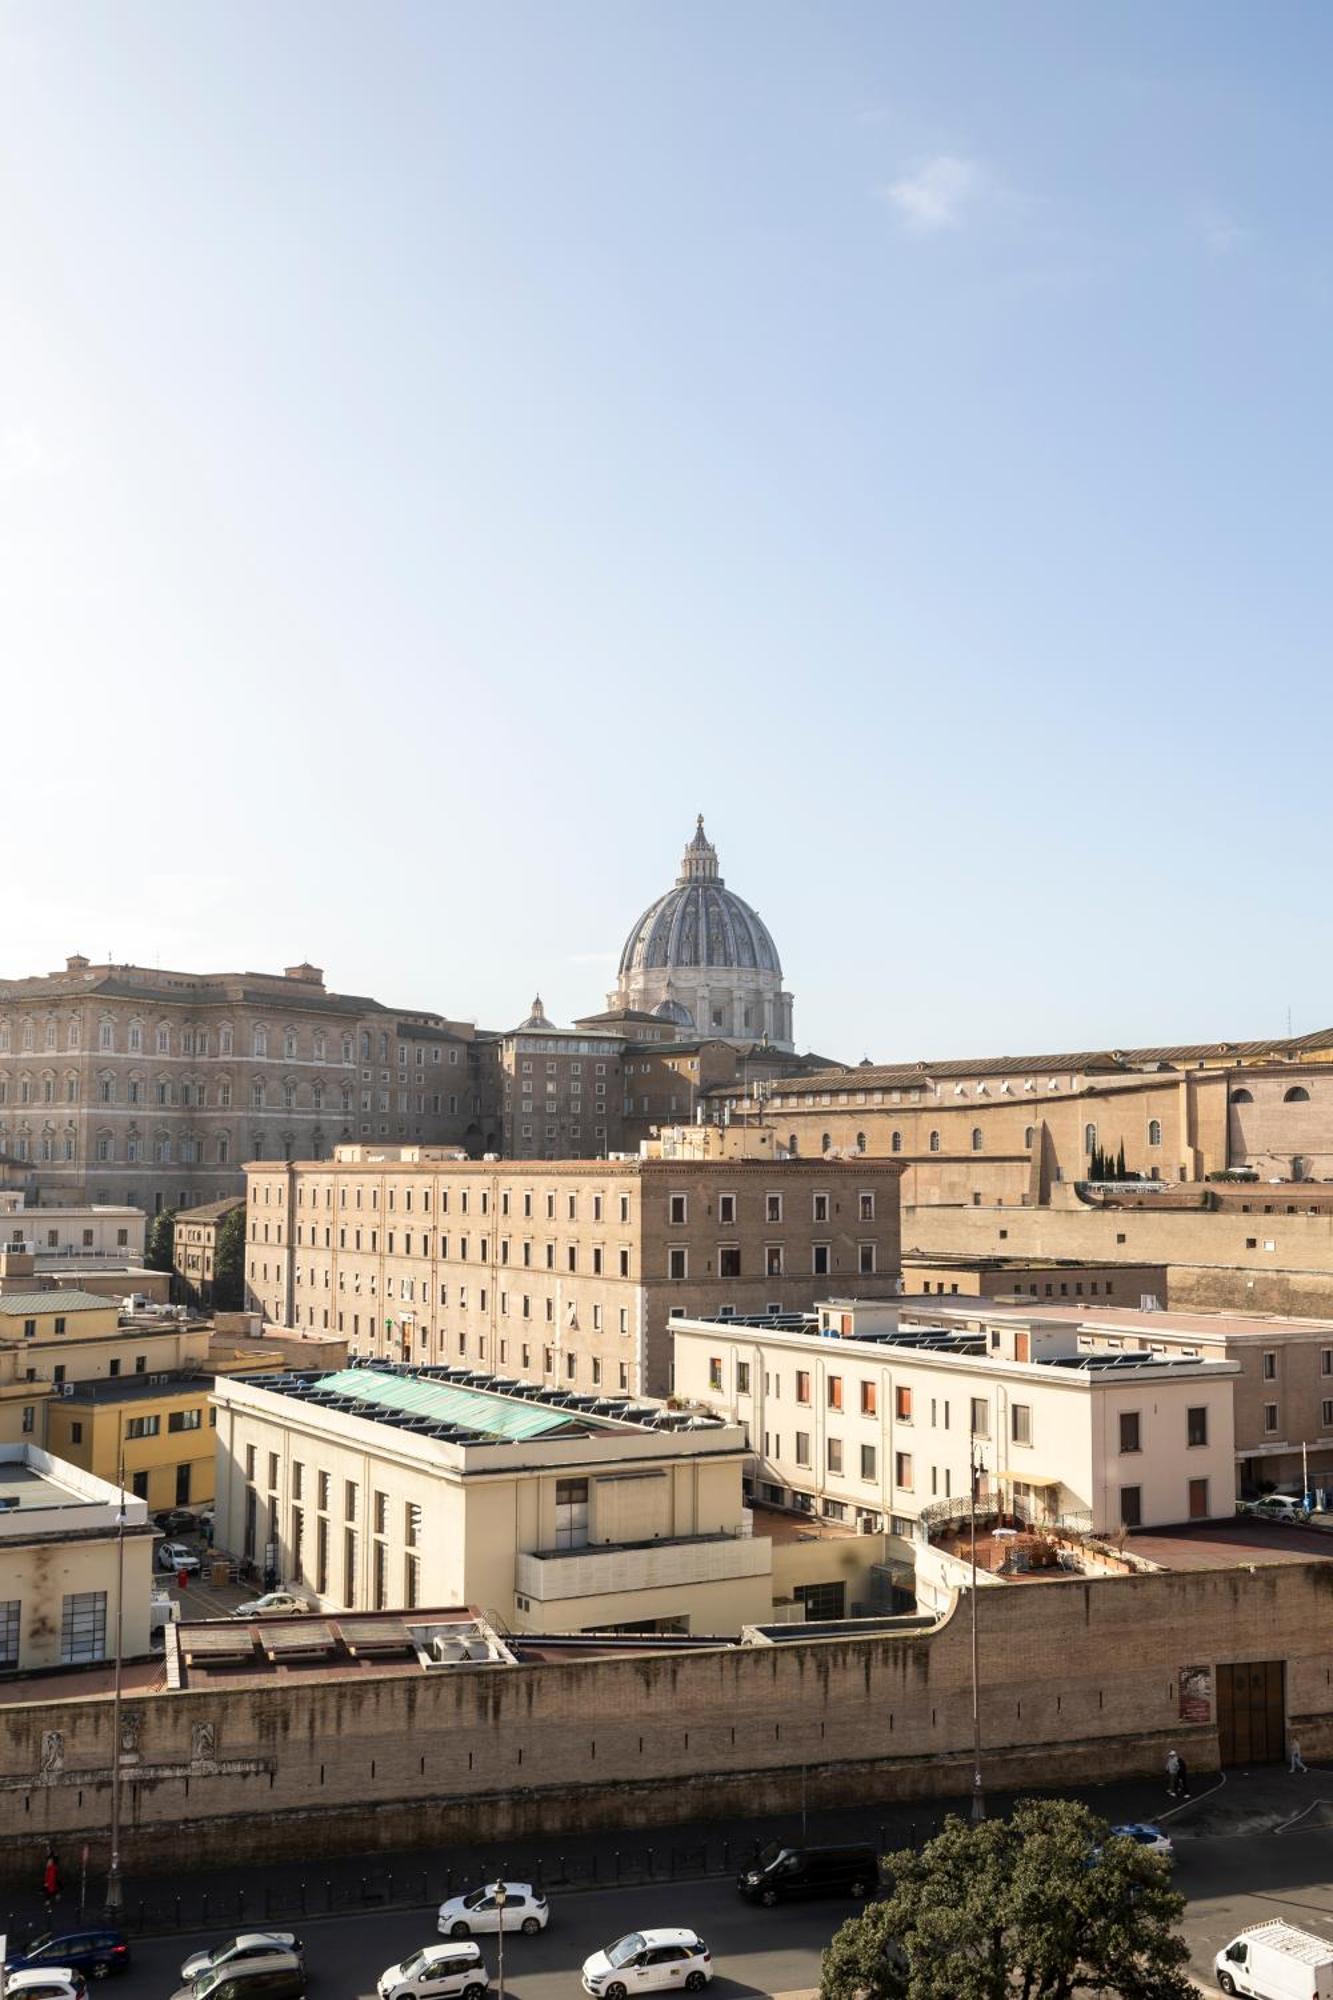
(501,1898)
(975,1469)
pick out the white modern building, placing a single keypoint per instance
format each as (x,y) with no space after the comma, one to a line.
(59,1564)
(378,1487)
(866,1412)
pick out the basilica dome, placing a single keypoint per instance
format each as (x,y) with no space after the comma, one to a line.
(702,959)
(699,922)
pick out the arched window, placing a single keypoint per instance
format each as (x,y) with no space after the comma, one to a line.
(1242,1097)
(978,1138)
(1298,1094)
(895,1142)
(365,1045)
(791,1143)
(1089,1138)
(824,1142)
(934,1142)
(347,1048)
(1300,1168)
(1029,1135)
(860,1142)
(1154,1131)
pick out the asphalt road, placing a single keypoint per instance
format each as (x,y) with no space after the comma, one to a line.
(1229,1881)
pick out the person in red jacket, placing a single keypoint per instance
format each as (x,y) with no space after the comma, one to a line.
(50,1878)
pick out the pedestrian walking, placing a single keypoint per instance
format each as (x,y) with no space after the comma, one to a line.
(1182,1779)
(50,1879)
(1173,1769)
(1297,1761)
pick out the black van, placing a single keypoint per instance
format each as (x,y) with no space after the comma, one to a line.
(782,1872)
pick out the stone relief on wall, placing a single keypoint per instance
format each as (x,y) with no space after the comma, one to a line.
(53,1753)
(203,1742)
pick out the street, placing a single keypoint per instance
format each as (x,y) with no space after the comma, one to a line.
(1229,1880)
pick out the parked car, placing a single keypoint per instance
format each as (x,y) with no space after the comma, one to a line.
(525,1909)
(58,1982)
(279,1975)
(645,1961)
(175,1555)
(237,1950)
(273,1604)
(436,1969)
(1147,1835)
(1277,1507)
(177,1521)
(98,1951)
(783,1873)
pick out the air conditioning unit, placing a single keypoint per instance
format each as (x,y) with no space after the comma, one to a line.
(67,1388)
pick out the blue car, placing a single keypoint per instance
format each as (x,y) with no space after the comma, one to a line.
(93,1952)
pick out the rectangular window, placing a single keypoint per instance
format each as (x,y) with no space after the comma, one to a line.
(349,1567)
(867,1207)
(834,1447)
(322,1557)
(381,1520)
(83,1627)
(834,1392)
(185,1420)
(820,1208)
(9,1632)
(868,1461)
(678,1208)
(1327,1413)
(571,1513)
(1129,1431)
(349,1500)
(726,1213)
(819,1260)
(323,1492)
(773,1208)
(902,1404)
(742,1378)
(678,1263)
(728,1260)
(1270,1419)
(1196,1426)
(869,1399)
(802,1385)
(803,1447)
(1270,1367)
(980,1417)
(1131,1506)
(865,1259)
(1022,1423)
(143,1427)
(773,1260)
(902,1470)
(715,1371)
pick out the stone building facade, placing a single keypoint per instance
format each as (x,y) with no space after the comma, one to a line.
(560,1091)
(125,1084)
(566,1273)
(195,1248)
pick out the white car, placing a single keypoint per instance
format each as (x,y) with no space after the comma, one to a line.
(1145,1834)
(46,1982)
(235,1951)
(443,1969)
(175,1555)
(525,1909)
(1277,1507)
(273,1604)
(646,1961)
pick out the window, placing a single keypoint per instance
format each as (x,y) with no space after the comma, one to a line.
(802,1385)
(742,1378)
(729,1260)
(1242,1097)
(869,1398)
(1089,1138)
(773,1208)
(867,1202)
(571,1513)
(902,1470)
(820,1204)
(678,1263)
(349,1500)
(143,1427)
(1327,1414)
(978,1139)
(726,1209)
(895,1142)
(1196,1426)
(934,1142)
(868,1461)
(1129,1431)
(819,1260)
(834,1451)
(1154,1131)
(834,1388)
(678,1207)
(715,1372)
(1270,1367)
(773,1260)
(185,1420)
(1022,1423)
(83,1627)
(9,1632)
(1131,1506)
(803,1447)
(902,1405)
(1298,1094)
(1270,1419)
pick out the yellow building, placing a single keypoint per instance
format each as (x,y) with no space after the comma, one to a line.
(154,1432)
(59,1561)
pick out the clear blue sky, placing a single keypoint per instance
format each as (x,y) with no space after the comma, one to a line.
(444,447)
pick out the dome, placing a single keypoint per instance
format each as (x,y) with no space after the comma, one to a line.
(672,1010)
(700,923)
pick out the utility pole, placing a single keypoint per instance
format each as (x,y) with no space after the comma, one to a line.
(975,1469)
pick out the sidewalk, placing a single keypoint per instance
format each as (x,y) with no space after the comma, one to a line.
(1236,1803)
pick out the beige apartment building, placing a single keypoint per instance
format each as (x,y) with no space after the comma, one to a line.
(873,1412)
(121,1083)
(1007,1131)
(560,1091)
(195,1247)
(566,1273)
(377,1486)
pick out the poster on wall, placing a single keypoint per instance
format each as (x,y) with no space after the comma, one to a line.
(1196,1694)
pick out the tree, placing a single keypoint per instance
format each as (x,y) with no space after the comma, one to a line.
(1120,1163)
(161,1245)
(229,1263)
(1045,1905)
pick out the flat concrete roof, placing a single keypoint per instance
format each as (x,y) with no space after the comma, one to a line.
(1120,1319)
(24,1486)
(1230,1544)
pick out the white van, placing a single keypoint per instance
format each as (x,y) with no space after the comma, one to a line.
(1275,1961)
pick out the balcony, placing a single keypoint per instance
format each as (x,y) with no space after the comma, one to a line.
(593,1571)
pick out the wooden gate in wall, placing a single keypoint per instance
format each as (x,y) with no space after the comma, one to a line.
(1252,1712)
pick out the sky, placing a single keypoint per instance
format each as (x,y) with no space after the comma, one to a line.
(444,447)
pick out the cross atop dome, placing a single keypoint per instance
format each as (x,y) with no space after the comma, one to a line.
(699,863)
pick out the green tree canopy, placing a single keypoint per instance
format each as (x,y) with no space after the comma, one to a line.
(229,1263)
(1045,1905)
(161,1240)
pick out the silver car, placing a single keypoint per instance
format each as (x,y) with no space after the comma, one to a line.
(250,1944)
